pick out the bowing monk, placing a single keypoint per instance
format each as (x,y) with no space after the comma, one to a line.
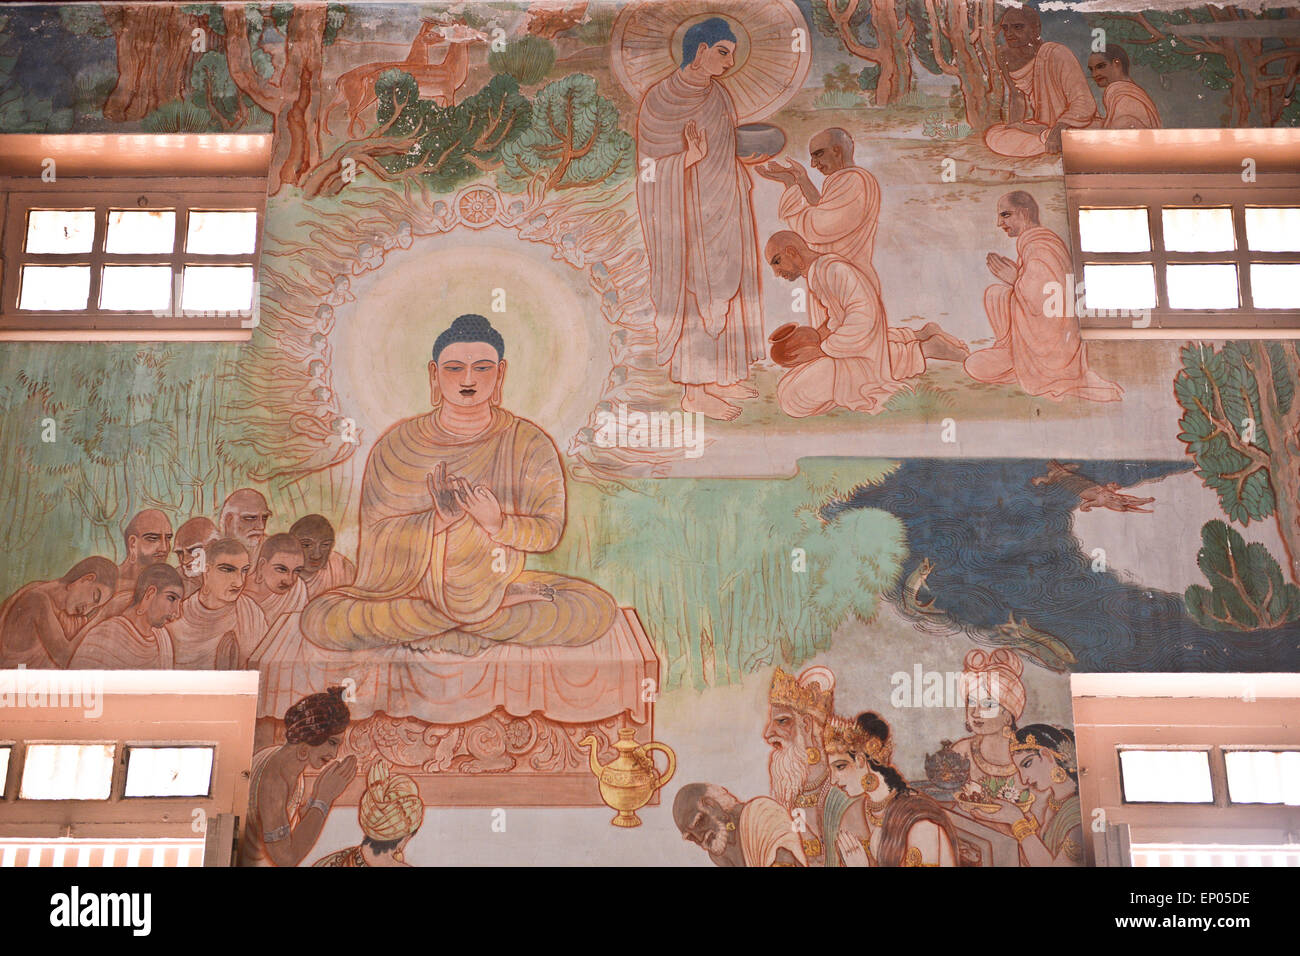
(219,625)
(1127,105)
(276,583)
(323,567)
(842,216)
(451,503)
(1040,352)
(39,621)
(137,639)
(1047,90)
(191,538)
(699,229)
(859,361)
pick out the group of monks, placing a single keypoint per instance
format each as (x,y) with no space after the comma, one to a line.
(231,582)
(699,229)
(1049,93)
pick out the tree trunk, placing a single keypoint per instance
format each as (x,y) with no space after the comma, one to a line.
(969,28)
(154,58)
(1284,447)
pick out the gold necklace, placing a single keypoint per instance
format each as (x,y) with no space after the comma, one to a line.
(1053,804)
(810,798)
(876,811)
(990,769)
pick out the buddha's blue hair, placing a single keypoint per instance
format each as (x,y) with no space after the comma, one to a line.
(470,328)
(710,31)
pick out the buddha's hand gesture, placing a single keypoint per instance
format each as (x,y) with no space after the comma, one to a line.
(480,504)
(446,505)
(697,144)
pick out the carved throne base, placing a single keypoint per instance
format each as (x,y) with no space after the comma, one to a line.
(495,761)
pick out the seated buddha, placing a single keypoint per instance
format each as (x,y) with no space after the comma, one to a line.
(452,501)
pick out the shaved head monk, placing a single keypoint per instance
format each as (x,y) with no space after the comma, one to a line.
(243,517)
(842,217)
(857,362)
(452,502)
(1127,105)
(1040,352)
(323,567)
(136,639)
(1047,90)
(191,538)
(276,582)
(39,621)
(219,625)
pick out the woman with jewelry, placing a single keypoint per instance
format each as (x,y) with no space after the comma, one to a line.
(887,823)
(995,699)
(1050,829)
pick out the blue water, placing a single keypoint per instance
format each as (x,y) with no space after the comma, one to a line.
(1001,544)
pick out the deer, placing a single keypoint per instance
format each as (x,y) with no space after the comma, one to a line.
(440,80)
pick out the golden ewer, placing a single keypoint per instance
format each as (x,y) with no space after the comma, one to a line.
(629,780)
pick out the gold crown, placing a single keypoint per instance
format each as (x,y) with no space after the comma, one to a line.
(843,735)
(1031,743)
(811,699)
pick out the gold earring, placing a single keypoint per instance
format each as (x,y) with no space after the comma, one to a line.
(869,782)
(1059,775)
(814,755)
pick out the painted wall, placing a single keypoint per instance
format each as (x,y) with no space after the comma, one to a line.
(893,515)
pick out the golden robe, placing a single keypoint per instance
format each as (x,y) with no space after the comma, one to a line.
(444,591)
(1056,94)
(1128,107)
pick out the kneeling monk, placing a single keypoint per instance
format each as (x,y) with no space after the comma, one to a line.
(451,502)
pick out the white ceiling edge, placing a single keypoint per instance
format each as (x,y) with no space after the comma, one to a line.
(1239,686)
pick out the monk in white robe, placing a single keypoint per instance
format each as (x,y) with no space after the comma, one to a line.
(842,216)
(137,639)
(219,626)
(39,622)
(1126,105)
(1041,352)
(452,502)
(276,581)
(699,228)
(1046,86)
(323,567)
(861,362)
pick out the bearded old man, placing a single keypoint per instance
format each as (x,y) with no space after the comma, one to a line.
(798,709)
(699,228)
(758,832)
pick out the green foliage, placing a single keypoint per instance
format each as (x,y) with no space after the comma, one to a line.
(841,79)
(178,116)
(84,20)
(1170,54)
(1219,395)
(718,586)
(335,16)
(527,59)
(456,143)
(574,140)
(838,100)
(1246,589)
(869,77)
(19,112)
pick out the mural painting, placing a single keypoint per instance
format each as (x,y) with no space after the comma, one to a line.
(654,418)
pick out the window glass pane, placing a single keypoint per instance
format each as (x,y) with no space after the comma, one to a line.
(221,232)
(1198,230)
(217,289)
(54,287)
(1275,285)
(138,288)
(4,767)
(1122,286)
(67,772)
(1114,230)
(60,230)
(141,230)
(1166,776)
(1209,285)
(1273,229)
(168,771)
(1263,776)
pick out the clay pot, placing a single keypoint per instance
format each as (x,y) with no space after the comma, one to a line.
(794,344)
